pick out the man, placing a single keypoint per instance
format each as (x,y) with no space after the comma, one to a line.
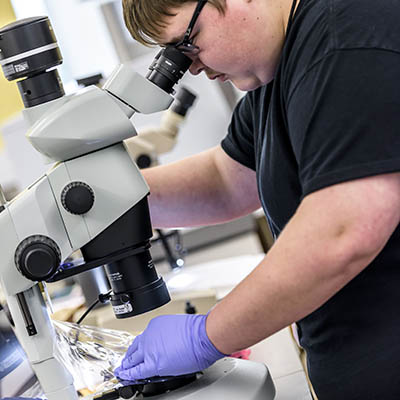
(317,140)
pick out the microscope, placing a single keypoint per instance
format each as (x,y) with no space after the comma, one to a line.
(92,198)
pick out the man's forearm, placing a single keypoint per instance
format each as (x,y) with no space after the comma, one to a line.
(333,236)
(293,280)
(193,192)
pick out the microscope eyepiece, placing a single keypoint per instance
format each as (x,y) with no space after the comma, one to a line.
(28,49)
(168,67)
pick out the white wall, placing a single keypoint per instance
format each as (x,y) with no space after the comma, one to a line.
(81,34)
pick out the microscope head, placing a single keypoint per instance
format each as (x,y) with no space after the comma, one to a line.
(66,127)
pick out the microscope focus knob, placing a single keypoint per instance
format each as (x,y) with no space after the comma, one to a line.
(143,161)
(38,257)
(77,198)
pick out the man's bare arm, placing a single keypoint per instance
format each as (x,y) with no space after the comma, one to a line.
(207,188)
(335,233)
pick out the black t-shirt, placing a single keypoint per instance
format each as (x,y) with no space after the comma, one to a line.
(331,115)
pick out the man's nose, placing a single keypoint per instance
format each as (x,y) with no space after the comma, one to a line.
(196,67)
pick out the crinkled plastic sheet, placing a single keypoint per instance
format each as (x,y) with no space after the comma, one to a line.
(91,354)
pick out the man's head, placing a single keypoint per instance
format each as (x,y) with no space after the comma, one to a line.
(239,40)
(146,19)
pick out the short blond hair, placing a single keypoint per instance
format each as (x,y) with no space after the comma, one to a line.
(145,19)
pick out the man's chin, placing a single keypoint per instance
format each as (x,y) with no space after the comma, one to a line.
(246,86)
(251,83)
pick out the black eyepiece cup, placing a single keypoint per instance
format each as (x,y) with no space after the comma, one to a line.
(168,67)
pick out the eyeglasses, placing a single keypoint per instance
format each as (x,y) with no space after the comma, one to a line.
(186,44)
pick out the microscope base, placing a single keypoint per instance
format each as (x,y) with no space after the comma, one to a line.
(229,378)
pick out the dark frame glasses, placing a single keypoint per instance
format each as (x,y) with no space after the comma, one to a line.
(186,44)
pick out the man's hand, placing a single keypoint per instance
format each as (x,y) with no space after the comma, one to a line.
(170,345)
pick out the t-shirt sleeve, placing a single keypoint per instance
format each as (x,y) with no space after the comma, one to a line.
(344,118)
(239,142)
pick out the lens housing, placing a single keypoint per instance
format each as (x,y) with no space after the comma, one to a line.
(137,288)
(28,49)
(168,68)
(136,285)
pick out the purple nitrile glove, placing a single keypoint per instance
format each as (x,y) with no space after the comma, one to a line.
(171,345)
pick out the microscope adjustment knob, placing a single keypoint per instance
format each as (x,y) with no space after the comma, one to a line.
(38,257)
(143,161)
(77,198)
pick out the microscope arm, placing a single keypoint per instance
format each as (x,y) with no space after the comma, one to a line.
(55,379)
(38,230)
(33,211)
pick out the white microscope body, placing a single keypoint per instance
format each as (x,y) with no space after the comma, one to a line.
(93,198)
(71,128)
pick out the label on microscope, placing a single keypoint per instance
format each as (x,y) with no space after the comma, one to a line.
(21,67)
(115,276)
(123,308)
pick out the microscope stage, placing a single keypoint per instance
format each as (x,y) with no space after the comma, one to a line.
(229,378)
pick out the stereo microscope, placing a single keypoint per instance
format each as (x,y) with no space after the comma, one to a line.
(92,198)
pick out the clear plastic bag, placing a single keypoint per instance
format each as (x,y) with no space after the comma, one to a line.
(91,354)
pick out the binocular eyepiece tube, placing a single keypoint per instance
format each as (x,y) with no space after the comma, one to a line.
(29,51)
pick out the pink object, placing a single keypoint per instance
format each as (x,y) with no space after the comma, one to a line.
(243,354)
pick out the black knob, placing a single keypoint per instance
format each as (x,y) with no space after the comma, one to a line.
(38,257)
(127,392)
(143,161)
(77,198)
